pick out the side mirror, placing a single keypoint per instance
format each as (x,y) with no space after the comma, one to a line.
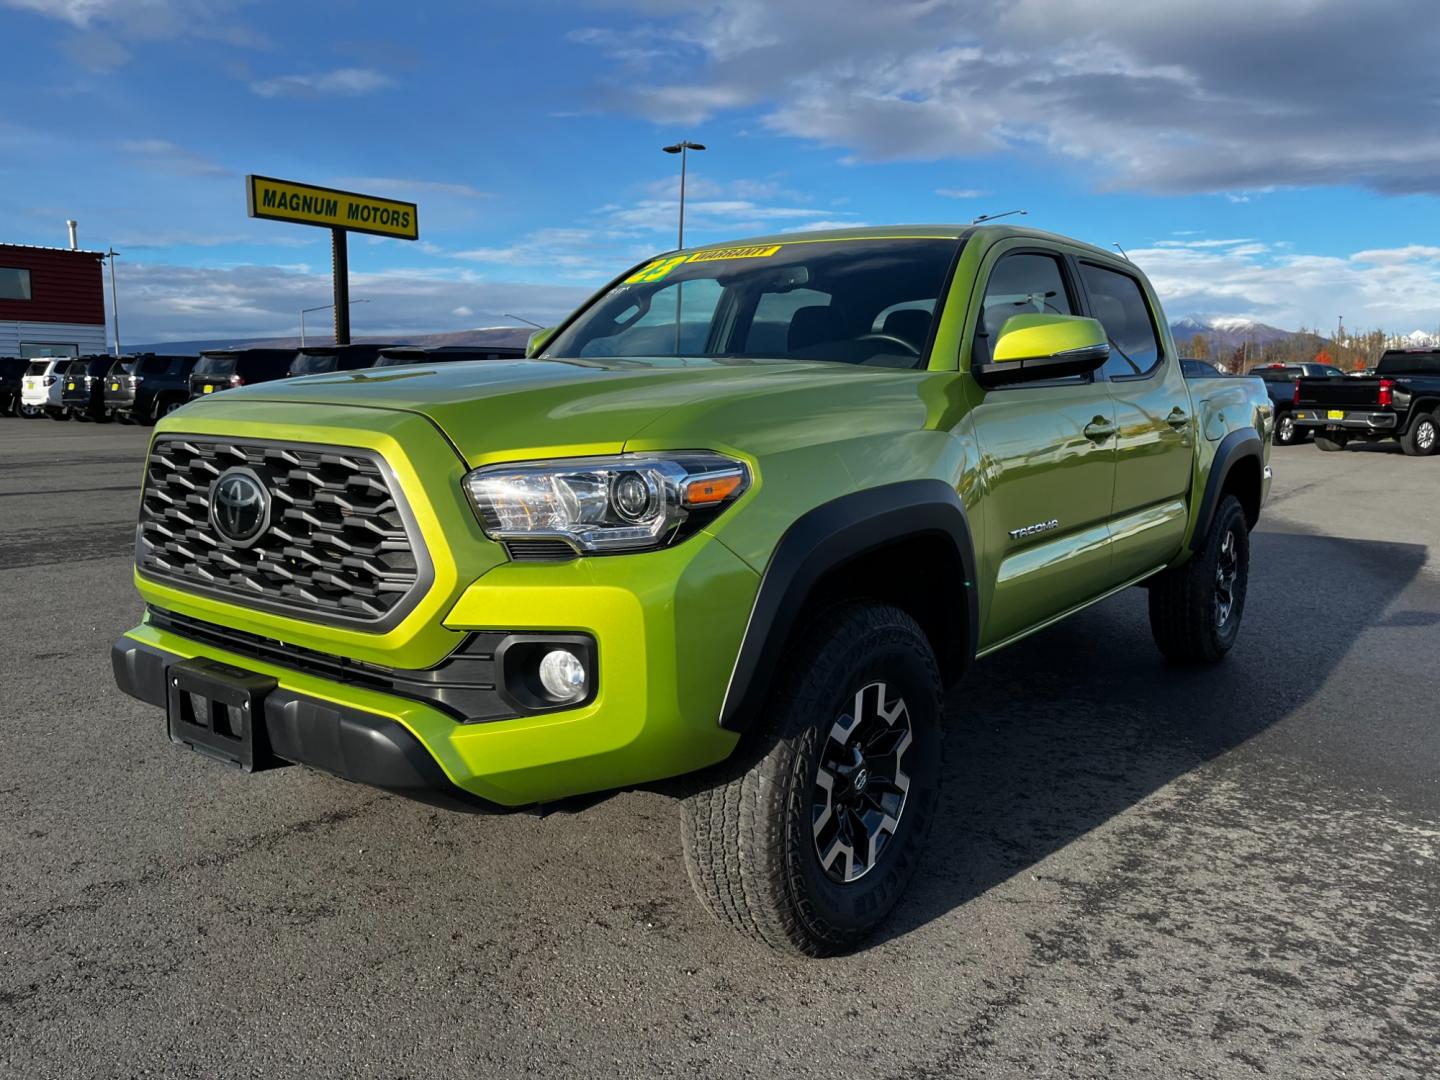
(538,340)
(1033,347)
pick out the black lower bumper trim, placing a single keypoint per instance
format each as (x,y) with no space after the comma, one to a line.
(348,743)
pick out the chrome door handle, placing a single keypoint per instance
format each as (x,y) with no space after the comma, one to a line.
(1178,417)
(1099,429)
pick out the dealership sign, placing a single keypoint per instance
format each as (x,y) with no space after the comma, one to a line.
(342,212)
(306,204)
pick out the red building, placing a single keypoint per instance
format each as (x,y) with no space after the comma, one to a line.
(52,301)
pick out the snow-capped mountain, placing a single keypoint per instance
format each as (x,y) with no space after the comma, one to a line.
(1419,339)
(1226,331)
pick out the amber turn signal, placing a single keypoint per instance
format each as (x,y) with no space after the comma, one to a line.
(710,490)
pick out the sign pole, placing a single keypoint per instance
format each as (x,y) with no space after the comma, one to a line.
(341,273)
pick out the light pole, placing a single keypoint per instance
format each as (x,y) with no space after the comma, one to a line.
(114,299)
(683,147)
(322,307)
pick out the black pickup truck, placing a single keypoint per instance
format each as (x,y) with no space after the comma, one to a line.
(1279,382)
(1400,401)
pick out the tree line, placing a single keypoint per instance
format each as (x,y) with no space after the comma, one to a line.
(1346,350)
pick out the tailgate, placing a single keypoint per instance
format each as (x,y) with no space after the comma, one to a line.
(1346,391)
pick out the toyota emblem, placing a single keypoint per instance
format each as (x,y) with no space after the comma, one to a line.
(239,507)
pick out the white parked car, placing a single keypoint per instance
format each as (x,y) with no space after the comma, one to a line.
(41,386)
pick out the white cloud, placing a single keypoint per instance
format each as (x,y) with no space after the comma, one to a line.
(1169,96)
(342,82)
(105,30)
(1384,288)
(159,302)
(961,193)
(390,185)
(160,155)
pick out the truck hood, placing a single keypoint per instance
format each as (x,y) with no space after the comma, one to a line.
(508,410)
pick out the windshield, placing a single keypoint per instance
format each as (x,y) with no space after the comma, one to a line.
(851,301)
(215,365)
(310,363)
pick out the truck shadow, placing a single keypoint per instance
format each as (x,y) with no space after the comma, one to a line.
(1058,734)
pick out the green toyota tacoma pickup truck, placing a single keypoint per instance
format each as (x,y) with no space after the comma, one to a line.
(744,515)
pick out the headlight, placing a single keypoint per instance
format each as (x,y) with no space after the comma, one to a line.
(629,502)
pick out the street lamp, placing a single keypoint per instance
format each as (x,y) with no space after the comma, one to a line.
(322,307)
(682,148)
(114,299)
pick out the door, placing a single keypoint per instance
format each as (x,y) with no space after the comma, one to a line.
(1048,461)
(1155,441)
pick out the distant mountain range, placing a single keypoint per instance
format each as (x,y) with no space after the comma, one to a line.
(485,335)
(1226,333)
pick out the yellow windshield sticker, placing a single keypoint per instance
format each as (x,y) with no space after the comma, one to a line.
(658,269)
(735,253)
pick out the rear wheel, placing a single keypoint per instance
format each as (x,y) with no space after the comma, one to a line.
(29,412)
(807,837)
(1287,432)
(1331,441)
(167,406)
(1195,608)
(1423,438)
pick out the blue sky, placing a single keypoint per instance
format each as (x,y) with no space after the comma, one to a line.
(1256,159)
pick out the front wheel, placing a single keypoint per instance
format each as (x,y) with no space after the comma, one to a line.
(1195,608)
(807,837)
(1423,438)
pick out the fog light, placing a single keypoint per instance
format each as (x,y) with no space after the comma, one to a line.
(562,675)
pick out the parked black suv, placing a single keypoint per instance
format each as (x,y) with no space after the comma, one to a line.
(82,390)
(223,369)
(11,368)
(318,359)
(144,387)
(443,354)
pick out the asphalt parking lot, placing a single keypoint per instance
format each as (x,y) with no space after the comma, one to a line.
(1138,871)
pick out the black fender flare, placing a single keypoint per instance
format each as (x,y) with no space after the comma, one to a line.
(1240,444)
(826,538)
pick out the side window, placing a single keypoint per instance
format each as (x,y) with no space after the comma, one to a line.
(1022,284)
(1117,300)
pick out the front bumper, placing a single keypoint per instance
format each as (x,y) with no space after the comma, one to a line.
(667,626)
(339,739)
(1353,419)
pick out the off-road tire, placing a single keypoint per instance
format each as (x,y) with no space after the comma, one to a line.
(750,829)
(1185,602)
(1331,442)
(1423,437)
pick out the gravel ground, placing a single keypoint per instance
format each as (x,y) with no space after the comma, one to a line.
(1138,871)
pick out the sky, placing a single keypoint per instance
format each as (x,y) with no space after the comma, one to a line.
(1278,160)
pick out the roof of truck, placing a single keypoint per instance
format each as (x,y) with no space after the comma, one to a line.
(908,232)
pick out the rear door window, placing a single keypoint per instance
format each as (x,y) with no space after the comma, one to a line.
(312,363)
(1118,301)
(215,365)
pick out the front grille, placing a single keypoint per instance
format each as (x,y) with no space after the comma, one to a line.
(340,546)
